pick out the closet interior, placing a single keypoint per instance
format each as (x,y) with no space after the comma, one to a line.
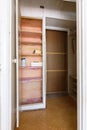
(47,51)
(56,42)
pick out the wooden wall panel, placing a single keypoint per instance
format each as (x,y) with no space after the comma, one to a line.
(56,81)
(33,87)
(31,24)
(56,61)
(56,41)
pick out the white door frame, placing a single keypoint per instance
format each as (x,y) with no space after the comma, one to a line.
(82,65)
(5,87)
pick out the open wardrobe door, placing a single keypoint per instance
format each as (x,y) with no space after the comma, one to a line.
(32,64)
(17,60)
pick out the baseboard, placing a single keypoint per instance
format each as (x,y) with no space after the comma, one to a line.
(56,94)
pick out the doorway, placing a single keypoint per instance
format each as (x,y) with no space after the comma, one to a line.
(81,74)
(63,76)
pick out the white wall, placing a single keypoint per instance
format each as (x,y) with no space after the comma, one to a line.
(0,77)
(5,61)
(32,8)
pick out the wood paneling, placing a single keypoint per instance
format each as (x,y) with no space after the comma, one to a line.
(29,73)
(56,61)
(56,41)
(30,90)
(31,24)
(30,49)
(56,81)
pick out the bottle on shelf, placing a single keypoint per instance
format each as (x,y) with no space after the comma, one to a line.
(23,62)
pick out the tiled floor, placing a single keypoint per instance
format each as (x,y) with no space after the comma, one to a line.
(61,114)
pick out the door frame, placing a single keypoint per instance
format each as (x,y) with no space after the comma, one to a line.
(5,88)
(81,65)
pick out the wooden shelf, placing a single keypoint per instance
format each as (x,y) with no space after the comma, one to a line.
(31,43)
(55,53)
(31,31)
(56,70)
(31,79)
(24,41)
(30,55)
(30,67)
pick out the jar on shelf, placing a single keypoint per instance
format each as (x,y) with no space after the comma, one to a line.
(23,61)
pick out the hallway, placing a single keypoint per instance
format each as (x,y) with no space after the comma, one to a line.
(60,114)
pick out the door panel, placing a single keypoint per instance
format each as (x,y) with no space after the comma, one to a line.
(32,64)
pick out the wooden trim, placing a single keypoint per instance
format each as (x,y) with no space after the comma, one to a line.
(59,92)
(55,53)
(56,70)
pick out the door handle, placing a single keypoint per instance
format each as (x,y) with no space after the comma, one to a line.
(14,61)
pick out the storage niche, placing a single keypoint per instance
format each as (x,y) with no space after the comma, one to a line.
(56,42)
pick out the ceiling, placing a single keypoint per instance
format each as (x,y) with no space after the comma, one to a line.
(61,5)
(58,5)
(54,4)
